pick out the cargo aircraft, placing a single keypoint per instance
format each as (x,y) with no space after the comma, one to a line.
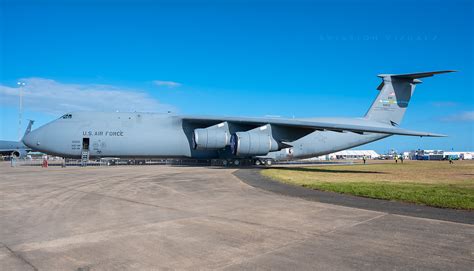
(230,139)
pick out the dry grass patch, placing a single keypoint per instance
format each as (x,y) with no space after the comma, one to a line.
(434,183)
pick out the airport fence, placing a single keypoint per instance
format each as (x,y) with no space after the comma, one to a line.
(59,162)
(114,162)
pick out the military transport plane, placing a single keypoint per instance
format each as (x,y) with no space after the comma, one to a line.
(232,139)
(16,148)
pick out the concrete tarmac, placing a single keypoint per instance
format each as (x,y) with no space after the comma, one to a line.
(160,217)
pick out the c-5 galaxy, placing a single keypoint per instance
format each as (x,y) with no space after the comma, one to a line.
(232,139)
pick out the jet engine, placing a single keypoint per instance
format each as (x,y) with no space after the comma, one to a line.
(255,142)
(19,153)
(214,137)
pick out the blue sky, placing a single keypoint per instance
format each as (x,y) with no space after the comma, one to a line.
(249,58)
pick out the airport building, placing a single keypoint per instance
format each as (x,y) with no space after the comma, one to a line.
(440,155)
(348,154)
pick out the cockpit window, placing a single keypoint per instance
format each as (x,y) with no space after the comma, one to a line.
(67,116)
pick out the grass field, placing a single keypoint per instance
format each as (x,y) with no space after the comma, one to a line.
(434,183)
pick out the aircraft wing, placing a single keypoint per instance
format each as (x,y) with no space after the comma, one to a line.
(310,125)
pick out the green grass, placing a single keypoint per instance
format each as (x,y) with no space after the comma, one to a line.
(428,183)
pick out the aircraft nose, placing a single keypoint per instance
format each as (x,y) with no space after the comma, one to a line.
(32,139)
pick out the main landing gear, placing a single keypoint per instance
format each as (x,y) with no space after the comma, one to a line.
(264,162)
(232,162)
(247,162)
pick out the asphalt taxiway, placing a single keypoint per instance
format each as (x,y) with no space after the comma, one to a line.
(253,177)
(161,217)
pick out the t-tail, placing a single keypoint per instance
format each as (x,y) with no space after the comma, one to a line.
(396,91)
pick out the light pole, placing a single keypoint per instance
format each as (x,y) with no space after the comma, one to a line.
(20,111)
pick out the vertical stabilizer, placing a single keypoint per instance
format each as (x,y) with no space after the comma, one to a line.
(28,129)
(396,91)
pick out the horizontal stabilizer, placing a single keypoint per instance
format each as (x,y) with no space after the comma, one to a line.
(415,75)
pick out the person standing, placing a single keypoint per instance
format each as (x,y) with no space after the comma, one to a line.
(45,162)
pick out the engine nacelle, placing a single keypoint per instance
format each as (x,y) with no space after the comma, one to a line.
(214,137)
(19,153)
(255,142)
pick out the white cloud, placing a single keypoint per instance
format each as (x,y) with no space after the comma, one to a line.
(463,116)
(50,96)
(169,84)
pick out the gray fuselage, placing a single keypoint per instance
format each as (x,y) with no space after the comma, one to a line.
(151,135)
